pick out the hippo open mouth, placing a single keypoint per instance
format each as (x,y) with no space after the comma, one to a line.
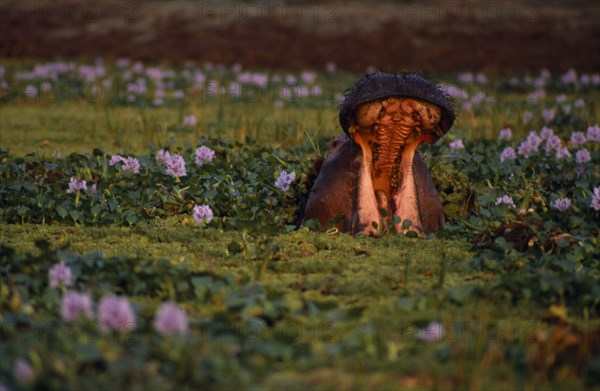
(374,173)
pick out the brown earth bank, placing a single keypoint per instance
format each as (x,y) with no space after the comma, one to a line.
(494,36)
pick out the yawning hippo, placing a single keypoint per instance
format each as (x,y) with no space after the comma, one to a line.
(373,172)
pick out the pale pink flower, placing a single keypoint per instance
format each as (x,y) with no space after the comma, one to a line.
(202,214)
(169,320)
(204,155)
(456,145)
(59,275)
(176,166)
(115,314)
(505,134)
(562,204)
(577,139)
(76,305)
(434,332)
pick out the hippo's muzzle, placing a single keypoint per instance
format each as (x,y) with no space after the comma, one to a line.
(373,172)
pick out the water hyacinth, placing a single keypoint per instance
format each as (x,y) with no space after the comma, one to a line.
(507,154)
(170,320)
(131,164)
(530,145)
(190,120)
(505,200)
(202,214)
(23,371)
(577,139)
(59,275)
(553,143)
(593,133)
(562,204)
(527,117)
(434,332)
(162,156)
(75,306)
(76,185)
(116,159)
(505,134)
(546,133)
(176,166)
(115,314)
(562,153)
(456,145)
(595,203)
(285,180)
(582,156)
(204,155)
(548,115)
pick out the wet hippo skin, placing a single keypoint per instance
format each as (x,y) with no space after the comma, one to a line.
(373,177)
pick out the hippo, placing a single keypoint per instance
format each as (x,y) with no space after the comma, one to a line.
(373,177)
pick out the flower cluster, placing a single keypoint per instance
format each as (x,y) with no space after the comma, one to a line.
(505,200)
(115,314)
(562,204)
(75,306)
(76,185)
(169,320)
(128,164)
(595,203)
(59,275)
(176,166)
(285,180)
(204,155)
(456,145)
(202,214)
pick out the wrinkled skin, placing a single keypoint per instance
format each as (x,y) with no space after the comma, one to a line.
(374,178)
(334,194)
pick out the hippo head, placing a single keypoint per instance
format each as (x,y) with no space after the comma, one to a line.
(373,172)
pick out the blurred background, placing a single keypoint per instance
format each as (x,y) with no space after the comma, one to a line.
(495,37)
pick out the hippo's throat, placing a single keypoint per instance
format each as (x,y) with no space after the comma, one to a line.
(389,132)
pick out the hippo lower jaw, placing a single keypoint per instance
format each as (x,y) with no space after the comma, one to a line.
(369,202)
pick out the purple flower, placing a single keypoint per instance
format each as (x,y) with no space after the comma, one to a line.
(582,156)
(23,371)
(562,153)
(284,181)
(131,164)
(595,204)
(534,141)
(562,98)
(115,313)
(176,166)
(579,104)
(505,200)
(59,275)
(162,156)
(75,306)
(76,185)
(456,145)
(527,117)
(545,133)
(116,159)
(202,214)
(507,154)
(204,155)
(553,143)
(562,204)
(169,320)
(189,120)
(577,139)
(434,332)
(593,133)
(548,115)
(505,134)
